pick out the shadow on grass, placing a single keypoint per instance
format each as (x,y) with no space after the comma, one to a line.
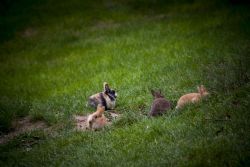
(17,15)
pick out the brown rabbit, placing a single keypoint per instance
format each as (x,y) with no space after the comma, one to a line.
(160,104)
(99,123)
(192,97)
(97,119)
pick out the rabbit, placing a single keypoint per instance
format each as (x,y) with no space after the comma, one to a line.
(160,104)
(99,123)
(107,98)
(192,97)
(97,119)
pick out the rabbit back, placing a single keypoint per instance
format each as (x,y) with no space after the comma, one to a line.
(159,107)
(99,123)
(188,98)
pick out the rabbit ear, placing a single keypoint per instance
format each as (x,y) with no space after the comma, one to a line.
(199,89)
(100,109)
(106,87)
(153,92)
(203,89)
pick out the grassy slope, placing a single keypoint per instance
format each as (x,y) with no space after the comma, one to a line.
(54,55)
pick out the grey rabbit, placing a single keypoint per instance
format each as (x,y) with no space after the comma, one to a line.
(160,104)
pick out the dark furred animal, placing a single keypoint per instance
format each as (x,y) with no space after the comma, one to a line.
(160,104)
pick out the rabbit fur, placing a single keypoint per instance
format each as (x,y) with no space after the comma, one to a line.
(192,97)
(97,119)
(160,105)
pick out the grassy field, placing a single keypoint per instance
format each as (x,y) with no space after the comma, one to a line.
(55,54)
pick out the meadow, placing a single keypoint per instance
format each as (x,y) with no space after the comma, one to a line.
(55,54)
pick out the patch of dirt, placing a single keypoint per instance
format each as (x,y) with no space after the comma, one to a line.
(29,32)
(21,126)
(24,125)
(81,121)
(109,24)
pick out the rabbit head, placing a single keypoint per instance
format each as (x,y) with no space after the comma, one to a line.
(157,94)
(108,91)
(100,110)
(202,90)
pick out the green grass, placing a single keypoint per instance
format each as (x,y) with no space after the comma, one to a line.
(54,54)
